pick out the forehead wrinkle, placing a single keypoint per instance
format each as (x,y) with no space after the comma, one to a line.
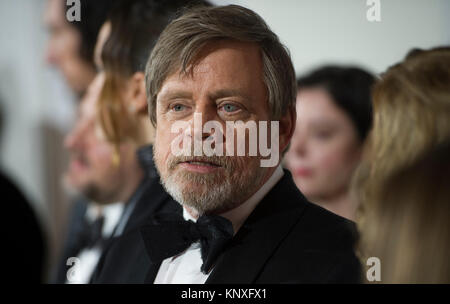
(218,72)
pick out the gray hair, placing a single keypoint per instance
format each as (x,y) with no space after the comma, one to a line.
(185,36)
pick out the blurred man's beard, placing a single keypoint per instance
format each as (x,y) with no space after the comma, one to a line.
(215,192)
(89,190)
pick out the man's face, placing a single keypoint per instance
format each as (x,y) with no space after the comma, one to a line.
(63,48)
(91,170)
(226,84)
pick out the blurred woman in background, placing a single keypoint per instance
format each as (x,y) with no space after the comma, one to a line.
(334,115)
(409,228)
(71,44)
(403,217)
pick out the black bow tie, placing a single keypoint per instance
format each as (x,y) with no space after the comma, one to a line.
(91,234)
(171,234)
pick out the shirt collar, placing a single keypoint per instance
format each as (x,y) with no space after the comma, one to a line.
(110,212)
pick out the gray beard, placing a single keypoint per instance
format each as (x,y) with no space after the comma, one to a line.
(217,194)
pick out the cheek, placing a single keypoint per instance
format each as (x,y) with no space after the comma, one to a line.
(246,140)
(71,41)
(158,151)
(66,48)
(163,143)
(105,169)
(290,159)
(338,159)
(101,153)
(243,165)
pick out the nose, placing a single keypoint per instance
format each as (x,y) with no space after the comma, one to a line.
(73,138)
(69,140)
(50,53)
(205,112)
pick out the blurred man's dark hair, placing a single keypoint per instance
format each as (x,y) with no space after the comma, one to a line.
(93,15)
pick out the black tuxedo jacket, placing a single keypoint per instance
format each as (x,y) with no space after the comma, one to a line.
(70,247)
(124,259)
(287,239)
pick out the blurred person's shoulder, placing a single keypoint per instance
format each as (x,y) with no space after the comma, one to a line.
(11,192)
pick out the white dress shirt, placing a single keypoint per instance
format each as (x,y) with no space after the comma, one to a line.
(86,261)
(185,267)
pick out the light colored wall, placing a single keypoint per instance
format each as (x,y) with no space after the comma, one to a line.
(337,31)
(30,93)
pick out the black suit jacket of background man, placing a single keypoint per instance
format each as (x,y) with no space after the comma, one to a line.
(287,239)
(124,260)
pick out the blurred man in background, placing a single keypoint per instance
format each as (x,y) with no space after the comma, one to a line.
(111,155)
(71,49)
(130,33)
(71,44)
(92,176)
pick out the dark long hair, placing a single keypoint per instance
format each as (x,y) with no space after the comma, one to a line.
(93,14)
(349,88)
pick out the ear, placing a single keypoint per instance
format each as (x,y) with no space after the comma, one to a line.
(287,128)
(136,98)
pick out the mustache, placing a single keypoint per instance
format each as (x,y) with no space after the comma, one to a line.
(219,161)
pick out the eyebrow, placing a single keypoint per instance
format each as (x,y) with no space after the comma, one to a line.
(324,123)
(174,95)
(213,96)
(228,93)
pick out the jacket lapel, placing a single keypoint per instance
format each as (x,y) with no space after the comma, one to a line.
(261,234)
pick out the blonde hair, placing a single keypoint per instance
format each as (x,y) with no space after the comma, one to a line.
(411,106)
(117,123)
(135,28)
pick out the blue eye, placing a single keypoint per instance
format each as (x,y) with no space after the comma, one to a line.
(178,107)
(230,108)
